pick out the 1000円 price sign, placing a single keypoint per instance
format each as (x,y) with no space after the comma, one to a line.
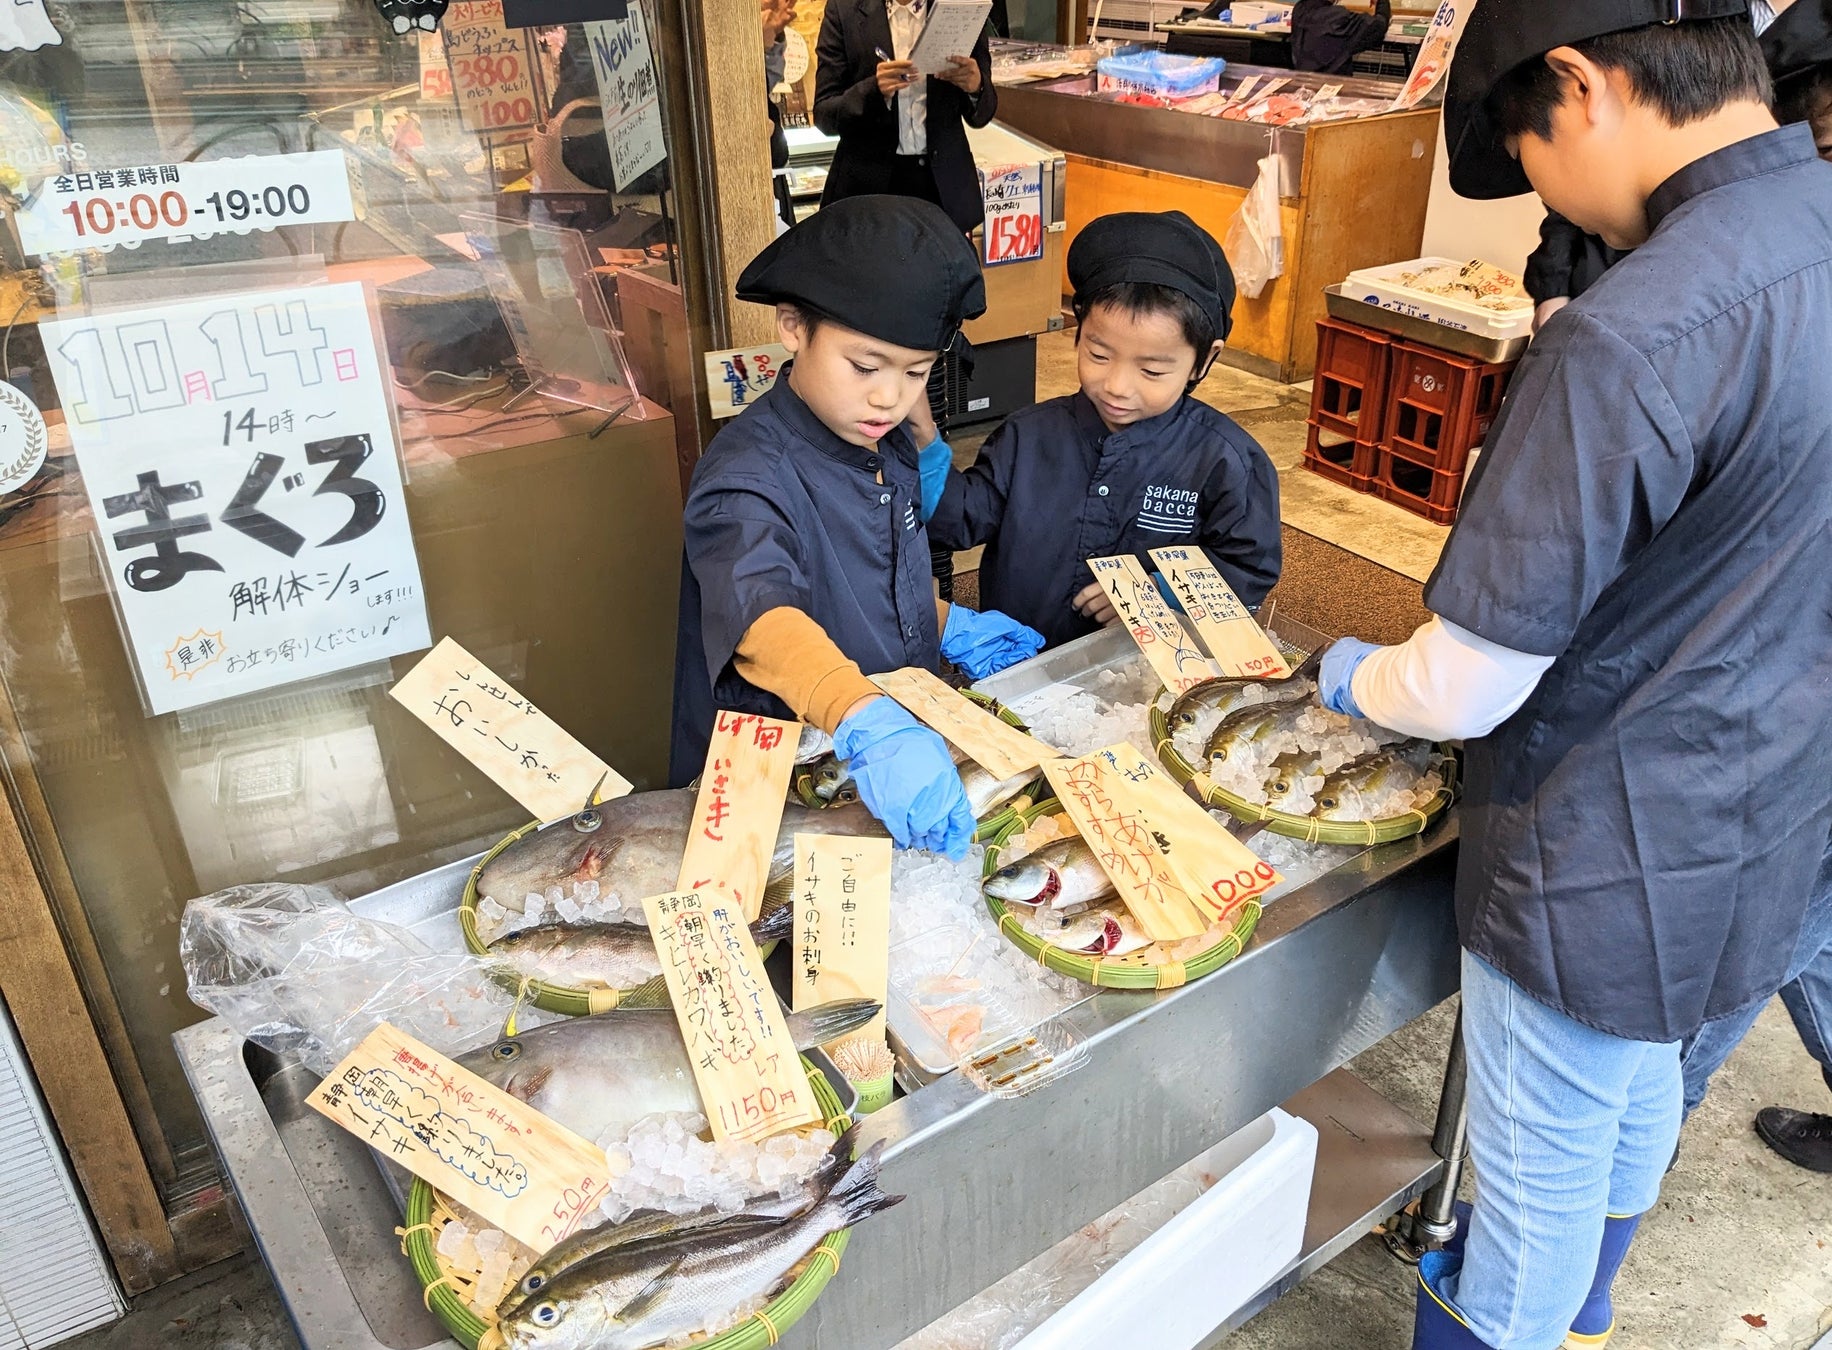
(240,458)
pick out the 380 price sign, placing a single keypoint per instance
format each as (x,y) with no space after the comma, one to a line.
(102,208)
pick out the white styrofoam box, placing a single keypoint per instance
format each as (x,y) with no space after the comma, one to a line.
(1248,14)
(54,1280)
(1381,286)
(1180,1284)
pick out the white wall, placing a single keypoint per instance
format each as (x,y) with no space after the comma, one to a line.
(1502,232)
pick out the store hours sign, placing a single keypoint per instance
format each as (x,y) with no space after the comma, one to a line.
(241,463)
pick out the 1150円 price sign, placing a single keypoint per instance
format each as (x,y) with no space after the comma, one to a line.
(239,456)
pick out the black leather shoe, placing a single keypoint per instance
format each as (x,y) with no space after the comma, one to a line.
(1802,1137)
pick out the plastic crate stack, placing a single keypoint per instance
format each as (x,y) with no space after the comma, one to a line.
(1399,419)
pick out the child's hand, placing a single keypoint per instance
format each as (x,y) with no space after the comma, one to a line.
(963,73)
(895,76)
(1095,604)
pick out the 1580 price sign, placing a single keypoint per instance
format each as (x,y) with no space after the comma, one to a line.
(1014,214)
(101,208)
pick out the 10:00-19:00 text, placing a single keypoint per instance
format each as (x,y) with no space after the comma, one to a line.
(101,215)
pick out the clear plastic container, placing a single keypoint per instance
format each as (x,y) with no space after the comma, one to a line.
(1161,75)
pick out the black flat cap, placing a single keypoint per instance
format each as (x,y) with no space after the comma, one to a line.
(1798,43)
(893,268)
(1162,248)
(1503,34)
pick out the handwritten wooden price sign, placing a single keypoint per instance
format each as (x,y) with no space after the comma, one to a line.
(1113,820)
(1236,641)
(749,1074)
(1220,873)
(1162,640)
(484,719)
(996,746)
(842,922)
(735,820)
(535,1180)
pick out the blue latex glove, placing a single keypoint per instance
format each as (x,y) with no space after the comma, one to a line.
(985,644)
(907,778)
(933,462)
(1335,680)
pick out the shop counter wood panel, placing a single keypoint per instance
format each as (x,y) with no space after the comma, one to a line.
(1023,298)
(1361,203)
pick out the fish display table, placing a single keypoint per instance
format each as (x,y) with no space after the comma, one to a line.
(1336,965)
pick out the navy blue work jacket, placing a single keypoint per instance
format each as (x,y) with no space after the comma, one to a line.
(783,512)
(1654,511)
(1053,488)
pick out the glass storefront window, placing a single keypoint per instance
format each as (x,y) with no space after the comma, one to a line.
(340,314)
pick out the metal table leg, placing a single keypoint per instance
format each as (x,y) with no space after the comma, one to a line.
(1432,1222)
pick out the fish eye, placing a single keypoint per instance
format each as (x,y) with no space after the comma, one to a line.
(546,1315)
(534,1282)
(506,1050)
(588,820)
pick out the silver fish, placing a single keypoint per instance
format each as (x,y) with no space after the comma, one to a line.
(633,846)
(1285,777)
(814,745)
(606,955)
(833,782)
(595,1074)
(1249,725)
(1062,875)
(647,1293)
(1231,694)
(1107,930)
(1349,793)
(648,1224)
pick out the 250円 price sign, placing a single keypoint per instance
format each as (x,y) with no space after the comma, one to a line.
(240,459)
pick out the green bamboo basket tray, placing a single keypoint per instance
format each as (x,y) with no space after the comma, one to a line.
(427,1214)
(1125,972)
(1199,785)
(571,1000)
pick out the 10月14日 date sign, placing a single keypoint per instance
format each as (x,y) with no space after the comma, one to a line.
(239,455)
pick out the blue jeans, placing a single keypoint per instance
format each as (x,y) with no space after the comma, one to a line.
(1567,1124)
(1807,996)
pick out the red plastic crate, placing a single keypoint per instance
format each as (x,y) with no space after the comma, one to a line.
(1441,405)
(1349,391)
(1419,488)
(1344,461)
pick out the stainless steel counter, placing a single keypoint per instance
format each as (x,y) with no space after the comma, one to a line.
(1336,965)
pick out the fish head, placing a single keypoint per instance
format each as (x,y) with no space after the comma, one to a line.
(1029,881)
(516,1064)
(1339,799)
(832,777)
(562,1319)
(564,854)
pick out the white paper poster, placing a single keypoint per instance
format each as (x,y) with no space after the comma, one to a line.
(87,206)
(1014,214)
(240,459)
(492,68)
(24,25)
(627,91)
(23,442)
(1435,52)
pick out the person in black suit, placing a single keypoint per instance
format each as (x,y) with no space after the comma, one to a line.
(1326,37)
(898,134)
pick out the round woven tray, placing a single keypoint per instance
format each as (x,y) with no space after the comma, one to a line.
(1122,972)
(1362,832)
(445,1294)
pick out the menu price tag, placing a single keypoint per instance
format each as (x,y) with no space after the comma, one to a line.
(744,1062)
(1161,638)
(99,208)
(997,747)
(1435,52)
(842,922)
(1114,822)
(492,68)
(1221,873)
(625,70)
(1234,638)
(1014,214)
(737,378)
(742,791)
(483,718)
(532,1178)
(239,455)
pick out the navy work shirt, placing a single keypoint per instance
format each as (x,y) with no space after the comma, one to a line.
(1654,510)
(784,512)
(1053,488)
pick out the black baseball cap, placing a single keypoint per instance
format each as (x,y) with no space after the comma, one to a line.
(1162,248)
(1798,43)
(893,268)
(1504,34)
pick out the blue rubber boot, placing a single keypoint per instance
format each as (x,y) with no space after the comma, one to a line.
(1435,1324)
(1596,1320)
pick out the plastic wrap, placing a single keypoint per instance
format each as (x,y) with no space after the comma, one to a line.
(1256,243)
(292,969)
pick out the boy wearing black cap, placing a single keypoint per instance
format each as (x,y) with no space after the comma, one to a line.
(806,560)
(1132,462)
(1632,632)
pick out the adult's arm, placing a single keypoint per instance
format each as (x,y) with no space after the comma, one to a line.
(1445,683)
(846,98)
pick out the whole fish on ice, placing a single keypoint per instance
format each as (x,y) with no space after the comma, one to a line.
(606,955)
(1063,876)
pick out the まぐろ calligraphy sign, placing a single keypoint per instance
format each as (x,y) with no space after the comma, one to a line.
(742,791)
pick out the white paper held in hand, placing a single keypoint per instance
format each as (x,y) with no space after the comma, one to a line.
(953,29)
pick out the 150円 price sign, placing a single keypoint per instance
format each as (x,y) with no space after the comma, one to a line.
(240,458)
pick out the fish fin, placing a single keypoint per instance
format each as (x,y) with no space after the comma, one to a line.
(776,894)
(826,1176)
(857,1195)
(1244,830)
(649,1295)
(775,925)
(829,1021)
(1312,665)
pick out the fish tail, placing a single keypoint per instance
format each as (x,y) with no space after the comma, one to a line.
(833,1167)
(830,1021)
(774,925)
(857,1196)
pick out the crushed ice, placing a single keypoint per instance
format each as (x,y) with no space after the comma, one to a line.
(585,902)
(661,1162)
